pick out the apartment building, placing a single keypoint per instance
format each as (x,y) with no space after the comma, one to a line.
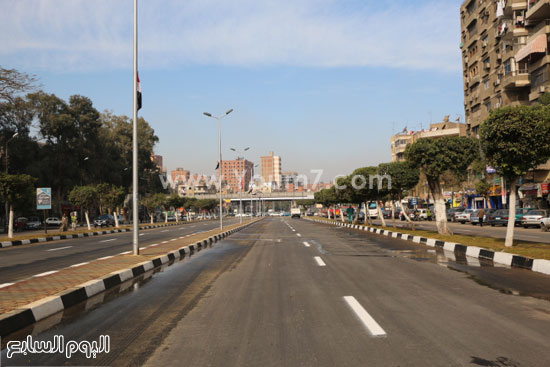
(180,175)
(505,55)
(272,169)
(232,171)
(400,141)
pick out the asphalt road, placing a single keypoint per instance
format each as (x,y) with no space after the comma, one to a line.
(520,233)
(295,293)
(20,262)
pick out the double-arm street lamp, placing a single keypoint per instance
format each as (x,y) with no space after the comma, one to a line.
(241,181)
(220,157)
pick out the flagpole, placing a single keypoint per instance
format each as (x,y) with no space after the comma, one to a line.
(135,204)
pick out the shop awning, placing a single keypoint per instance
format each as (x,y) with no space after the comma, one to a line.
(539,44)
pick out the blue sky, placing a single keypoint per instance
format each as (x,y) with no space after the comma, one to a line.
(322,83)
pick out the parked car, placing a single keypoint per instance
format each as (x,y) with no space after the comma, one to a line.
(34,223)
(452,211)
(520,212)
(420,214)
(545,224)
(498,218)
(474,218)
(105,220)
(533,218)
(53,221)
(463,216)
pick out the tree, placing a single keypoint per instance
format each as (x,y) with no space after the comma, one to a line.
(152,202)
(326,197)
(110,197)
(404,177)
(514,141)
(364,187)
(13,82)
(16,190)
(85,197)
(436,156)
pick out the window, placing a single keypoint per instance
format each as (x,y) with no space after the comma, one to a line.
(488,105)
(486,83)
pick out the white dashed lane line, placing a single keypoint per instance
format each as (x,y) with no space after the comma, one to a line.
(46,273)
(306,244)
(109,240)
(59,248)
(299,235)
(166,230)
(319,261)
(105,257)
(372,326)
(77,265)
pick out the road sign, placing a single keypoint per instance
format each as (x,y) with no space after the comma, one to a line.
(414,201)
(44,198)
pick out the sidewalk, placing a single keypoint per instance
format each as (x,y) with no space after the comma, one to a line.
(80,281)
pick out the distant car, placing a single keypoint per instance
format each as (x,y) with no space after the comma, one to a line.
(172,218)
(464,216)
(19,224)
(452,211)
(105,220)
(421,214)
(520,212)
(545,224)
(474,217)
(34,223)
(533,218)
(53,221)
(295,213)
(498,218)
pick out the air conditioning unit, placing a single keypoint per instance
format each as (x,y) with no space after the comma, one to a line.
(499,56)
(542,89)
(487,65)
(497,82)
(484,44)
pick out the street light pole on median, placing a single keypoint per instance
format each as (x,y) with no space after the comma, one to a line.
(220,158)
(240,183)
(135,204)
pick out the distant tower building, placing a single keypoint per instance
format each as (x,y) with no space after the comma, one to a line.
(233,170)
(179,175)
(271,169)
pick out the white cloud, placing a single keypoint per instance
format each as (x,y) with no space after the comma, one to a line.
(81,35)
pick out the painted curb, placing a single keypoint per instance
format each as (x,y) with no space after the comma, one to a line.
(5,244)
(38,310)
(497,257)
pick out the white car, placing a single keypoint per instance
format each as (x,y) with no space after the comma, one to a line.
(53,221)
(533,218)
(463,216)
(545,224)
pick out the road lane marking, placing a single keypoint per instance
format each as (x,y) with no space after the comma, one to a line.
(59,248)
(166,230)
(6,285)
(126,252)
(154,245)
(105,257)
(173,239)
(141,234)
(306,244)
(299,235)
(109,240)
(367,320)
(77,265)
(164,242)
(46,273)
(319,261)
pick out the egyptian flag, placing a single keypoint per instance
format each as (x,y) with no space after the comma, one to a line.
(138,93)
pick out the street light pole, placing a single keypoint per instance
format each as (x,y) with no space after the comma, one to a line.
(135,204)
(240,183)
(220,158)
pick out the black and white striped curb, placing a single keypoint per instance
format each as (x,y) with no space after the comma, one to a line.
(504,258)
(81,235)
(38,310)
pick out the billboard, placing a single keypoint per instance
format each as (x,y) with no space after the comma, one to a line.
(44,198)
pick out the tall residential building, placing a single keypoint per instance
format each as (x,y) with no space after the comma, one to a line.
(179,175)
(232,171)
(271,169)
(400,141)
(505,55)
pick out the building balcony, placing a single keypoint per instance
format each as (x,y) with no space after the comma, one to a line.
(538,10)
(516,79)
